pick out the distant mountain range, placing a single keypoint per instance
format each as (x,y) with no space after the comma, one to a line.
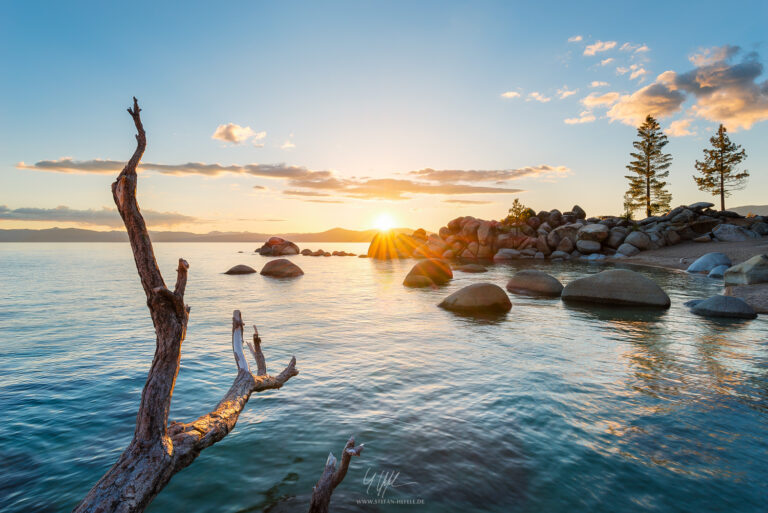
(79,235)
(758,210)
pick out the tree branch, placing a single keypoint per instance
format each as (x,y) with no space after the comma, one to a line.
(332,477)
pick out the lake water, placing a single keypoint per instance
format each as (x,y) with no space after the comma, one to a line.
(547,409)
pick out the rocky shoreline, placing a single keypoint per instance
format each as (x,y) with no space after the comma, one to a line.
(570,235)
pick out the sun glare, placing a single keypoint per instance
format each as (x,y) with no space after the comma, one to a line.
(384,222)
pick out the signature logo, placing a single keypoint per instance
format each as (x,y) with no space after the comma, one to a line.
(381,482)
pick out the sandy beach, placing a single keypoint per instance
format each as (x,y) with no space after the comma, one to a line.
(682,255)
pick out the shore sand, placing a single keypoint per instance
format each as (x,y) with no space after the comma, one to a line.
(682,255)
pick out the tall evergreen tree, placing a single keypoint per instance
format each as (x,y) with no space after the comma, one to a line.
(718,169)
(647,187)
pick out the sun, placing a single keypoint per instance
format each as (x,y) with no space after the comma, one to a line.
(384,222)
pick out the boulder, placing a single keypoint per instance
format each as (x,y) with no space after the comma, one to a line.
(639,240)
(724,306)
(485,233)
(277,246)
(534,283)
(593,232)
(732,233)
(672,237)
(616,237)
(754,270)
(587,246)
(478,298)
(241,269)
(617,287)
(718,272)
(705,263)
(506,254)
(435,271)
(471,268)
(703,238)
(701,205)
(560,255)
(281,268)
(579,212)
(306,252)
(542,245)
(759,228)
(566,245)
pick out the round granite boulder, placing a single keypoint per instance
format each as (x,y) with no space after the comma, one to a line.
(281,268)
(705,263)
(619,287)
(478,298)
(427,272)
(241,269)
(535,283)
(724,306)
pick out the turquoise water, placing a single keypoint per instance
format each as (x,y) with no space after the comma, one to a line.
(548,409)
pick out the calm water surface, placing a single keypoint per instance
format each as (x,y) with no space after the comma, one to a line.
(548,409)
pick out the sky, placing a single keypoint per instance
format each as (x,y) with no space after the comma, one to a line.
(279,117)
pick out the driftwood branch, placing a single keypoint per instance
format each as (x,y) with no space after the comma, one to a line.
(159,450)
(332,477)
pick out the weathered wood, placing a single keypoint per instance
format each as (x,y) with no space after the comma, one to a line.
(159,450)
(332,477)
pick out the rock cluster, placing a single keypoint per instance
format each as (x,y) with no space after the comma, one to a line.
(320,252)
(277,246)
(566,235)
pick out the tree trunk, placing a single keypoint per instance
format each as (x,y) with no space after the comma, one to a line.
(159,450)
(722,192)
(332,477)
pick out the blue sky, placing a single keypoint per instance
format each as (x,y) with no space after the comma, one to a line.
(339,103)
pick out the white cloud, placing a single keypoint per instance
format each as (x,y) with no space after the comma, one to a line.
(538,97)
(600,100)
(585,117)
(575,39)
(680,128)
(598,83)
(641,49)
(565,92)
(639,72)
(510,94)
(236,134)
(287,145)
(607,61)
(600,46)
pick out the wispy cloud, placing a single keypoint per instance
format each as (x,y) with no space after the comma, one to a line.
(634,48)
(607,61)
(102,217)
(599,46)
(467,202)
(510,94)
(501,175)
(585,117)
(565,92)
(600,100)
(680,128)
(237,134)
(538,97)
(598,83)
(575,39)
(287,145)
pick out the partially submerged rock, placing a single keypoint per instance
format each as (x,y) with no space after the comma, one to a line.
(718,272)
(536,283)
(724,306)
(478,298)
(705,263)
(754,270)
(277,246)
(281,268)
(241,269)
(617,287)
(428,272)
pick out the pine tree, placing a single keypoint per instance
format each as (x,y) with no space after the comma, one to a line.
(650,165)
(718,169)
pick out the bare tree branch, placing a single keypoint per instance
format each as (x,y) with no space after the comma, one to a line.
(157,450)
(332,477)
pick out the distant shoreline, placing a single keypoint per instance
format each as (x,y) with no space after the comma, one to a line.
(69,235)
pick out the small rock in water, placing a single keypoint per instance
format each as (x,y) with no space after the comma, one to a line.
(281,268)
(693,302)
(724,306)
(241,269)
(478,298)
(533,282)
(617,287)
(430,271)
(718,271)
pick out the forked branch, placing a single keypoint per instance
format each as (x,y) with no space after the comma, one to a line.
(332,477)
